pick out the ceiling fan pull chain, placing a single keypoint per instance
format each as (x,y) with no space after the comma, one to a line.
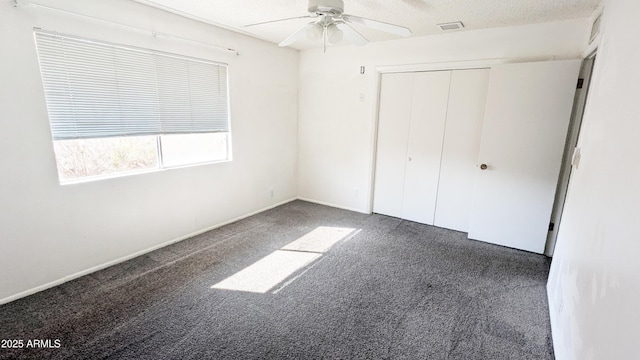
(324,40)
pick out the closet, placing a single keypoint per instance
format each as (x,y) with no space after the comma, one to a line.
(476,150)
(428,141)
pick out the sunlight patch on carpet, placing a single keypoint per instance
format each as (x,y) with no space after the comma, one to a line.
(273,269)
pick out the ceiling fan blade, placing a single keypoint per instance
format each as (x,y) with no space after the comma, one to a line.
(286,19)
(300,34)
(351,34)
(377,25)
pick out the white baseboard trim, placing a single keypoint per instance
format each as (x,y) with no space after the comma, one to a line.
(334,205)
(133,255)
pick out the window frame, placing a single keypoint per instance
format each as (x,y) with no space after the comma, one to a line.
(213,103)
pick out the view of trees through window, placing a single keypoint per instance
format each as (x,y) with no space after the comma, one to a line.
(81,158)
(94,157)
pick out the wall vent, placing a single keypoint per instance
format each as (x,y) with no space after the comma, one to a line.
(451,25)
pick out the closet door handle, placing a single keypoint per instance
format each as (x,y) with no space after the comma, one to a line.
(483,167)
(409,158)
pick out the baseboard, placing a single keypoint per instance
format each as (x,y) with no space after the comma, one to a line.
(133,255)
(334,205)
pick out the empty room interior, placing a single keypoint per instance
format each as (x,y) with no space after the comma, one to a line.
(351,179)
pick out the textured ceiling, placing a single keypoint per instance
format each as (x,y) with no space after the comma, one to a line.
(421,16)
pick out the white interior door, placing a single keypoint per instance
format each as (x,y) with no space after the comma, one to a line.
(525,126)
(393,134)
(465,115)
(426,130)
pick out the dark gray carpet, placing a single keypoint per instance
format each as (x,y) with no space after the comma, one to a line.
(395,290)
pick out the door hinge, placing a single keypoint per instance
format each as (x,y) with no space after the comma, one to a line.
(580,83)
(551,226)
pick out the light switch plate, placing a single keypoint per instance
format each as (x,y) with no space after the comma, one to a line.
(575,159)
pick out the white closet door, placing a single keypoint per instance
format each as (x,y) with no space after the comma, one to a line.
(527,115)
(428,116)
(465,115)
(393,135)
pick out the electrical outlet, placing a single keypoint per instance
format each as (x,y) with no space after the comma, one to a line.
(356,192)
(271,192)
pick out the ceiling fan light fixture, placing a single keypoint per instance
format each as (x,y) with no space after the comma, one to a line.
(334,35)
(315,32)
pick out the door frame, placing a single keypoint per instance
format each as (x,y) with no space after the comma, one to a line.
(581,99)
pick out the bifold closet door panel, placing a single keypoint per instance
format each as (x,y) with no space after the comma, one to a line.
(523,136)
(426,130)
(393,134)
(465,115)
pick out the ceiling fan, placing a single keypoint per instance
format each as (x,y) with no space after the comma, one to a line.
(332,25)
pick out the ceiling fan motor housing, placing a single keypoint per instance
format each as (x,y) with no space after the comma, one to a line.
(326,7)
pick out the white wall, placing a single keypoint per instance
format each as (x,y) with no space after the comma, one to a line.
(49,232)
(594,285)
(336,129)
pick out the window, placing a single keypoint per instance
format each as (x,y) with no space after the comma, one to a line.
(116,109)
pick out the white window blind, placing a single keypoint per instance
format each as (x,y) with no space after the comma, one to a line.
(95,89)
